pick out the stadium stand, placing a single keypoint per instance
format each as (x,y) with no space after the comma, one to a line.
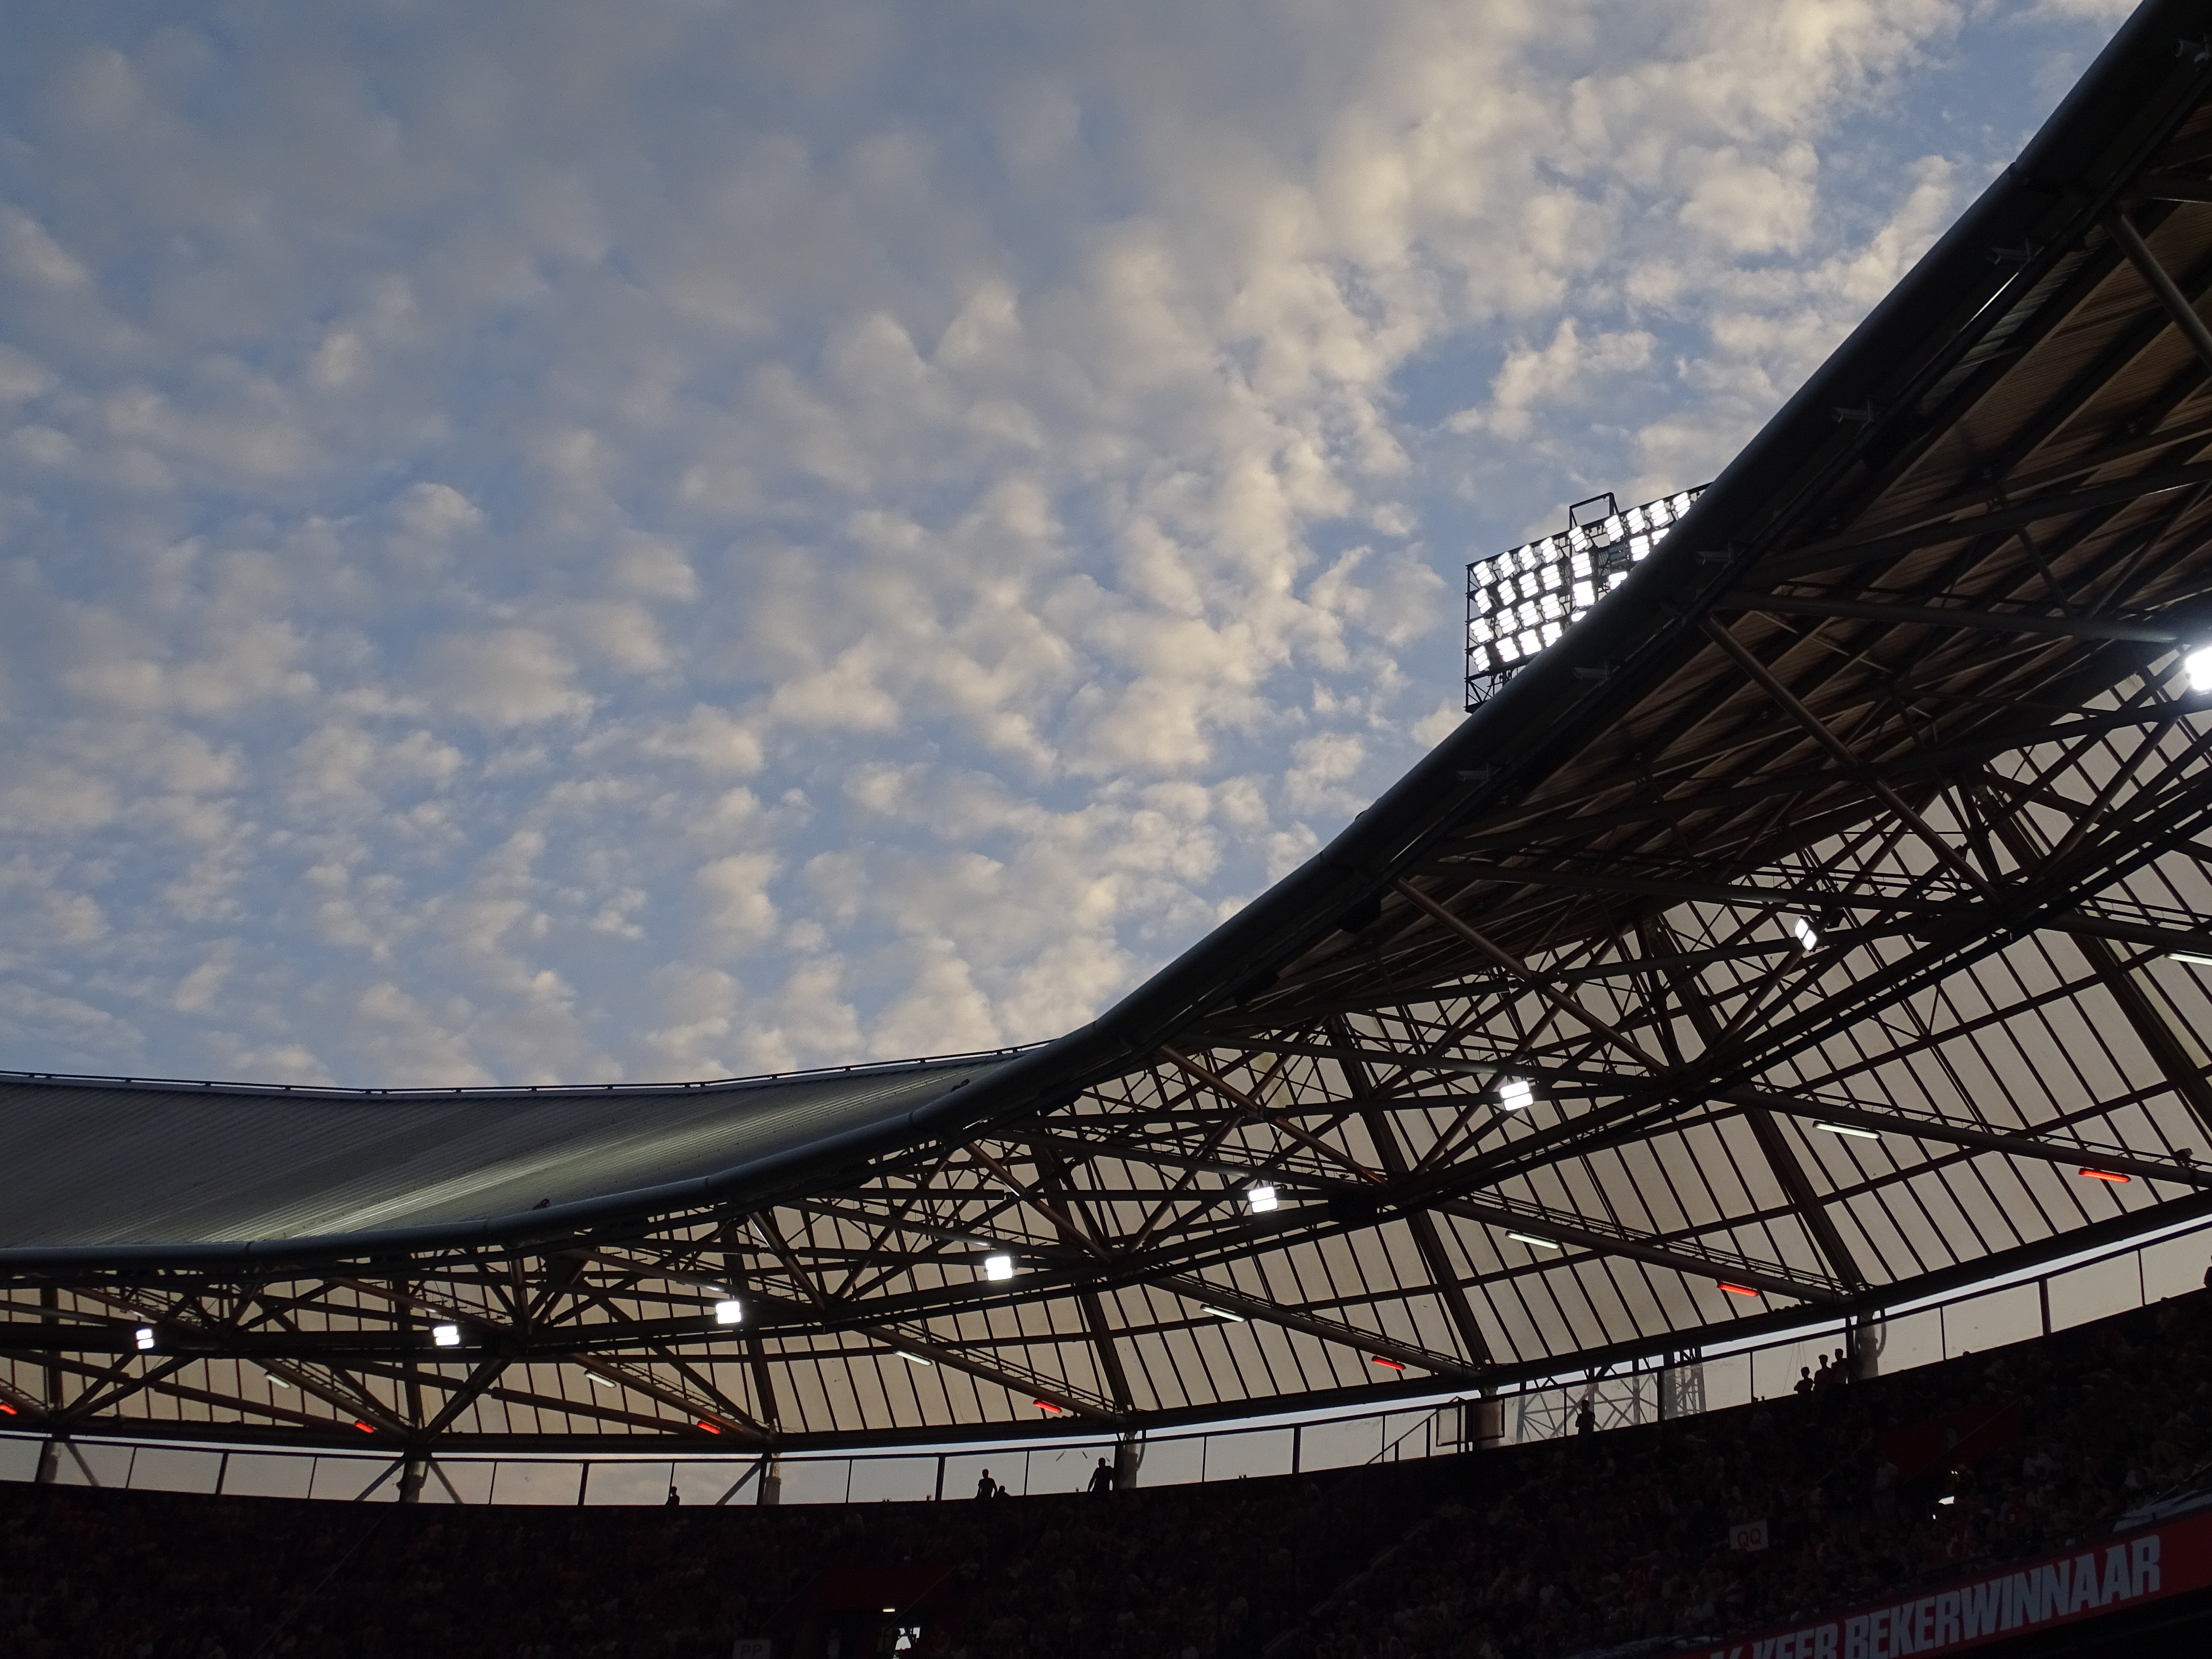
(1614,1541)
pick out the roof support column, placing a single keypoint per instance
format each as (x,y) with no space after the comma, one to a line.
(1419,1222)
(2169,293)
(2182,1070)
(1773,1146)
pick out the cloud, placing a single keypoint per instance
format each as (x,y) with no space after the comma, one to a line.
(505,677)
(520,558)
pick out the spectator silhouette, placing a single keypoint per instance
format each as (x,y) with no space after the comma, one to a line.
(1805,1384)
(986,1487)
(1102,1477)
(1585,1418)
(675,1497)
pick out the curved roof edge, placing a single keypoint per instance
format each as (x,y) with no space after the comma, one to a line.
(1622,645)
(1627,640)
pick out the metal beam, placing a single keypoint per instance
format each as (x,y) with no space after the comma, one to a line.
(1963,1134)
(2169,293)
(1207,1294)
(1991,622)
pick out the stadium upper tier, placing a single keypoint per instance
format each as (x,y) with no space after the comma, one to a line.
(1816,923)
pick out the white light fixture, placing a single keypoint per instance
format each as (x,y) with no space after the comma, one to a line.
(2197,664)
(1516,1094)
(1808,937)
(599,1382)
(446,1336)
(998,1267)
(1539,1243)
(2196,957)
(730,1312)
(1848,1129)
(145,1338)
(1223,1313)
(279,1382)
(1260,1198)
(1535,591)
(915,1359)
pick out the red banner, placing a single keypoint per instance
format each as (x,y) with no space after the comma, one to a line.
(2126,1571)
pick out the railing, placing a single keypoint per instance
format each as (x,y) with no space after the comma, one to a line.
(1987,1316)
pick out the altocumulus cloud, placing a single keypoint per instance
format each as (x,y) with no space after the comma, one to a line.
(557,542)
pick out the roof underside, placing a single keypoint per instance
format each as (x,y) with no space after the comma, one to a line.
(1907,671)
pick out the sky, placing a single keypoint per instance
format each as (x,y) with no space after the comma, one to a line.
(550,542)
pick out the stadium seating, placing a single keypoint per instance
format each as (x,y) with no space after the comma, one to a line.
(1591,1542)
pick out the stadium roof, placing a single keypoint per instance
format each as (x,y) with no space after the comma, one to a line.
(1831,888)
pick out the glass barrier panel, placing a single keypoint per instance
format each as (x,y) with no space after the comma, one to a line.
(816,1479)
(19,1458)
(1173,1463)
(2095,1290)
(1340,1445)
(1064,1468)
(642,1483)
(1727,1381)
(1783,1367)
(470,1480)
(268,1474)
(1992,1321)
(174,1468)
(345,1477)
(963,1469)
(94,1465)
(527,1482)
(702,1482)
(1250,1452)
(2175,1267)
(1906,1340)
(890,1479)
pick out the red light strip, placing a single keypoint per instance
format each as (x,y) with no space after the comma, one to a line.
(1737,1290)
(366,1428)
(2106,1175)
(1047,1406)
(709,1427)
(5,1406)
(1394,1364)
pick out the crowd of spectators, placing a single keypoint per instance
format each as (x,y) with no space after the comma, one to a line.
(1860,1489)
(1596,1540)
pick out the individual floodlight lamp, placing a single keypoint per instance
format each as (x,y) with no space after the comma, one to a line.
(1516,1094)
(729,1311)
(1535,1243)
(145,1338)
(1807,936)
(1260,1198)
(998,1267)
(446,1336)
(2197,664)
(1852,1130)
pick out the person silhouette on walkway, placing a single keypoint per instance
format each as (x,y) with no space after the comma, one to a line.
(1102,1477)
(675,1497)
(986,1487)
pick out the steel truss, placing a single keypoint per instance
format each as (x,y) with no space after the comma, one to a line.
(1918,688)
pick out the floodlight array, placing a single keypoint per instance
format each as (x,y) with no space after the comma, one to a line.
(1523,599)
